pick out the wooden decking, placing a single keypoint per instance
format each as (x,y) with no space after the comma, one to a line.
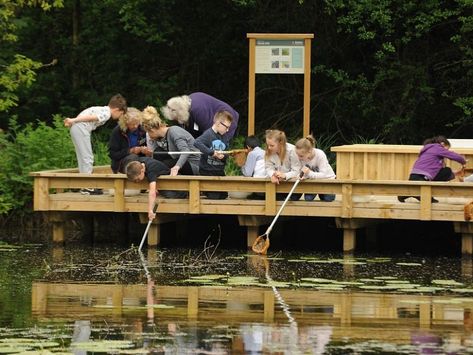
(358,202)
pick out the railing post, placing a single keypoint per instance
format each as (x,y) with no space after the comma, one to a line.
(194,196)
(270,203)
(119,196)
(347,200)
(425,203)
(41,194)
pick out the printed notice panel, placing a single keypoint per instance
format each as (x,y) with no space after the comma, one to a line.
(279,56)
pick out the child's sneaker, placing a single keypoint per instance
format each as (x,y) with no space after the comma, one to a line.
(91,191)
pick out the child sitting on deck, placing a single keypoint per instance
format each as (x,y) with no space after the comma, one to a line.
(150,169)
(281,161)
(211,143)
(430,165)
(314,165)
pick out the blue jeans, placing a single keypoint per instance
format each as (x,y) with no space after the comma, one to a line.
(323,197)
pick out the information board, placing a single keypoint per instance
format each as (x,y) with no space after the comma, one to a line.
(279,56)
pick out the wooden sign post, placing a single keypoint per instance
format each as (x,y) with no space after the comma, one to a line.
(279,53)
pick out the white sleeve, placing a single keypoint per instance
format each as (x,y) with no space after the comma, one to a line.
(322,168)
(248,168)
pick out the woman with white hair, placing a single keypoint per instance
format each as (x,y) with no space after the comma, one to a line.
(196,112)
(127,141)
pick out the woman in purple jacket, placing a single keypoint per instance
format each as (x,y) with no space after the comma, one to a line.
(195,112)
(430,165)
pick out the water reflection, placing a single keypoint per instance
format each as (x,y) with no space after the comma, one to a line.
(169,302)
(252,318)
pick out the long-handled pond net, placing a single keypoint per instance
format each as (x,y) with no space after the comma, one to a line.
(261,243)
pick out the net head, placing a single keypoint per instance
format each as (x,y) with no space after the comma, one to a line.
(261,245)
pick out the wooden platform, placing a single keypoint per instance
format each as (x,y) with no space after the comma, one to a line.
(358,202)
(369,179)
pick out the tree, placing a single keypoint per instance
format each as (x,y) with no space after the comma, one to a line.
(16,70)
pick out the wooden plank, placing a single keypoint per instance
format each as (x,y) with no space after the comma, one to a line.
(351,173)
(251,86)
(58,232)
(425,203)
(349,239)
(252,233)
(154,235)
(194,197)
(270,207)
(280,35)
(41,194)
(347,201)
(307,70)
(467,243)
(119,196)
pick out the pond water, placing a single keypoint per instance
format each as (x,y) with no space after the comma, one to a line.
(81,299)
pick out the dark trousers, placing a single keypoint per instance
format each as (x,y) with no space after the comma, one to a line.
(214,195)
(445,174)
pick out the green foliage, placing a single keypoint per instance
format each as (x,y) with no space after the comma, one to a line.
(16,70)
(35,148)
(231,168)
(22,71)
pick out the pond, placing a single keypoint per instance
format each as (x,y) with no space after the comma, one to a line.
(81,299)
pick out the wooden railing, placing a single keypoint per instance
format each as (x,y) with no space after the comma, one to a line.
(358,203)
(355,198)
(383,161)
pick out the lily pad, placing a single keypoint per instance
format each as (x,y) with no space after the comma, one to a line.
(462,290)
(447,282)
(317,280)
(385,278)
(208,277)
(162,306)
(409,264)
(103,345)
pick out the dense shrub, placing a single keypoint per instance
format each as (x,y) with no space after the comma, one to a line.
(35,147)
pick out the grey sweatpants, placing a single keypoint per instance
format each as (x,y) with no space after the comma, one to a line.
(80,134)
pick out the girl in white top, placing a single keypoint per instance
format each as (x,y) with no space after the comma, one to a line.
(254,165)
(315,165)
(281,161)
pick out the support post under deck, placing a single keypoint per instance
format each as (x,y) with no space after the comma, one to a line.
(466,231)
(350,225)
(252,224)
(57,219)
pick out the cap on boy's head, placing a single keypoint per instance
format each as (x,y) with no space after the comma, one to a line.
(133,170)
(223,116)
(252,142)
